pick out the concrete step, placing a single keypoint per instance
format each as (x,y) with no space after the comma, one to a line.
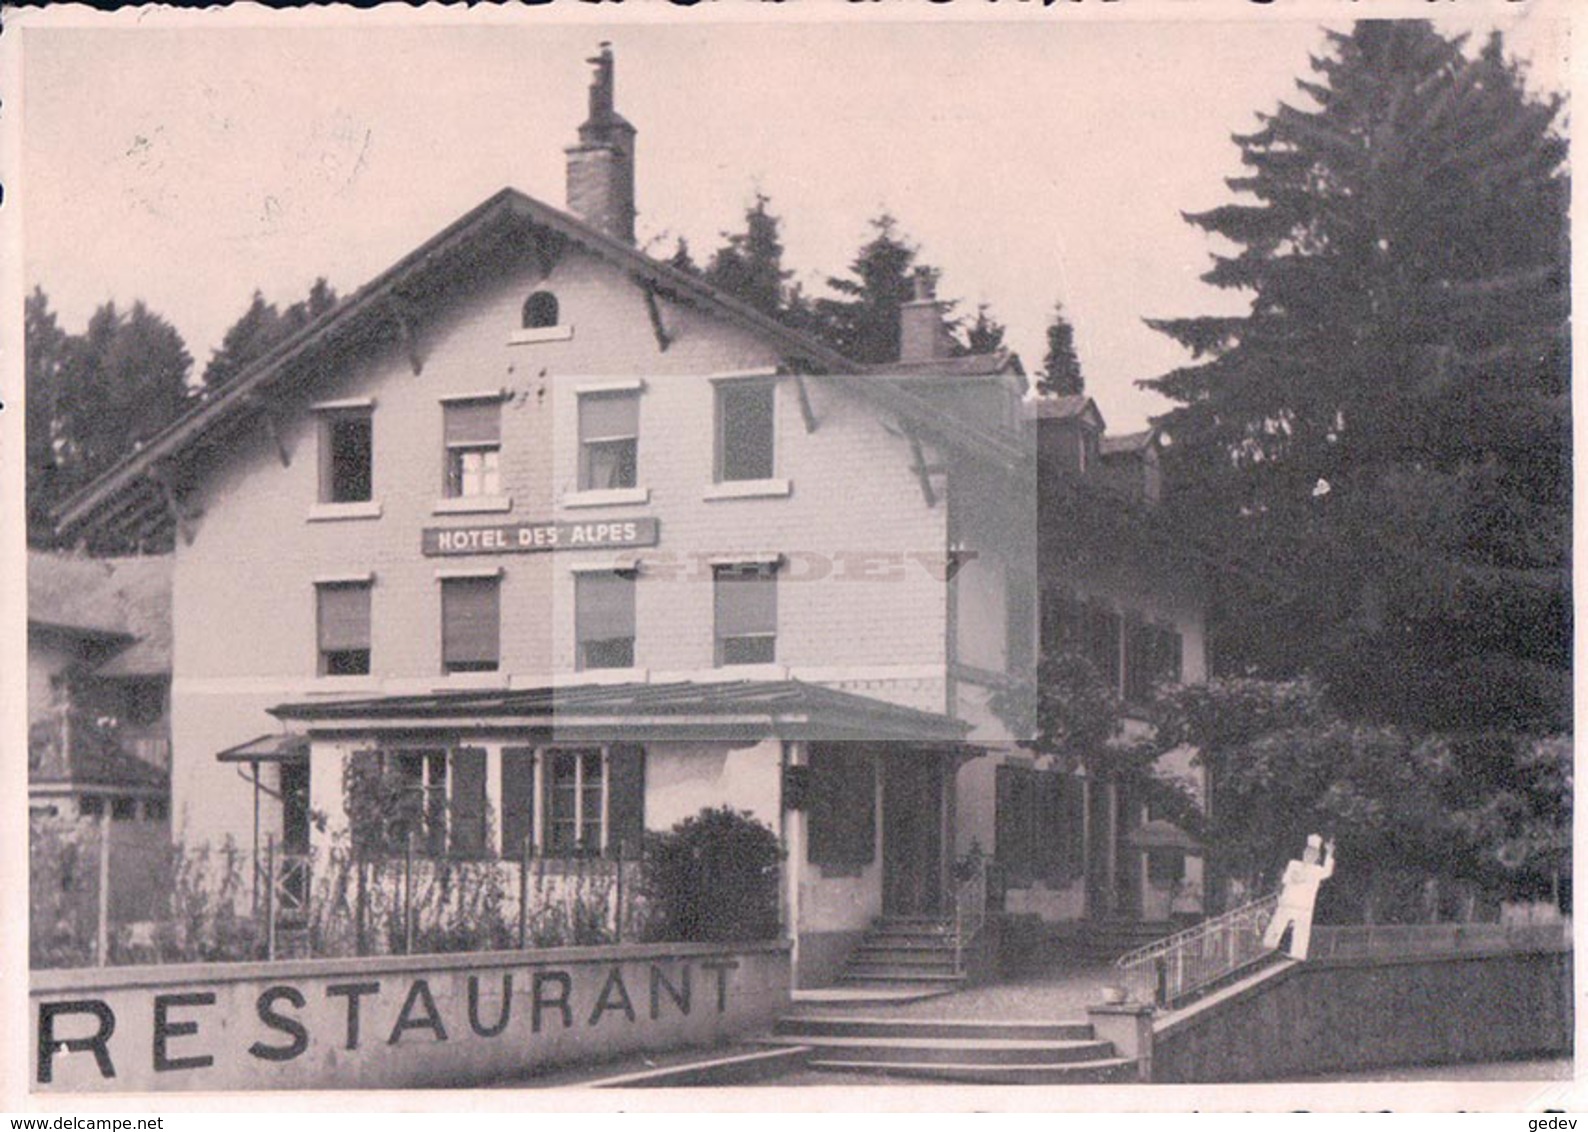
(876,994)
(951,1051)
(898,974)
(912,935)
(910,942)
(868,955)
(818,1026)
(1100,1071)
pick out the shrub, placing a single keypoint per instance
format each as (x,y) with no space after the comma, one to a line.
(713,878)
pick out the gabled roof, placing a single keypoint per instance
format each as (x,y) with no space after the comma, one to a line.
(1070,406)
(1131,442)
(740,708)
(968,365)
(122,603)
(136,490)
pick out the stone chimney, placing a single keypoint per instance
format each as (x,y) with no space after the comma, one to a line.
(601,166)
(922,335)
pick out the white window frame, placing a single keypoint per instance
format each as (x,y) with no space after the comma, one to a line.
(326,412)
(542,813)
(497,501)
(742,488)
(639,494)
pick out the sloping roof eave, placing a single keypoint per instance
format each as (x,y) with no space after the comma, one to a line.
(786,708)
(239,395)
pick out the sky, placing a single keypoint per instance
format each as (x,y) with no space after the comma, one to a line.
(1033,159)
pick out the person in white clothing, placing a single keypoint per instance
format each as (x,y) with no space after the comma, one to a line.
(1298,896)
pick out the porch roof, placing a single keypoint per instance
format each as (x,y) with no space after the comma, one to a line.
(740,709)
(267,749)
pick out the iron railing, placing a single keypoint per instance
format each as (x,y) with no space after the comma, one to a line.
(1355,941)
(1174,968)
(970,909)
(286,876)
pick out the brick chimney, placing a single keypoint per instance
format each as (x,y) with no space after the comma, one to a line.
(922,335)
(601,166)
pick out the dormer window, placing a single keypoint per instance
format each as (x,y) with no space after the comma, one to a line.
(541,321)
(540,311)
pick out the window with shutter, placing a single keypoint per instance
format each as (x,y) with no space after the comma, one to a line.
(842,819)
(1141,661)
(518,800)
(745,430)
(746,613)
(604,619)
(626,774)
(473,440)
(609,440)
(470,624)
(468,802)
(342,611)
(347,455)
(1102,644)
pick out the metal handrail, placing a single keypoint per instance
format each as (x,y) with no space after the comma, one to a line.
(970,910)
(1170,969)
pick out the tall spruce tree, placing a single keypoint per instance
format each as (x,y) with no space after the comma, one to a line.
(864,323)
(261,328)
(985,334)
(750,265)
(1389,421)
(114,386)
(44,356)
(1061,368)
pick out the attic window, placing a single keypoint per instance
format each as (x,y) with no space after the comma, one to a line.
(540,311)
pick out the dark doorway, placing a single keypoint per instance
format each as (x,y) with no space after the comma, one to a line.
(295,806)
(1099,849)
(292,867)
(912,834)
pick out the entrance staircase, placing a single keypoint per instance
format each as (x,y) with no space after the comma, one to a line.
(989,1053)
(914,952)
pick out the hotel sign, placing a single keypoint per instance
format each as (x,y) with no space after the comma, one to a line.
(527,538)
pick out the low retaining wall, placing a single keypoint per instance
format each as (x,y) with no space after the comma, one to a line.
(413,1022)
(1345,1014)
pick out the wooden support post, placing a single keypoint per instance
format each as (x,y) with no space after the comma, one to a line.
(273,431)
(806,410)
(922,471)
(523,891)
(162,477)
(408,894)
(102,928)
(654,309)
(403,314)
(270,897)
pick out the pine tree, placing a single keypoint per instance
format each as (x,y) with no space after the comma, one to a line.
(985,335)
(117,384)
(44,355)
(1061,368)
(1389,421)
(261,328)
(750,265)
(682,259)
(864,325)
